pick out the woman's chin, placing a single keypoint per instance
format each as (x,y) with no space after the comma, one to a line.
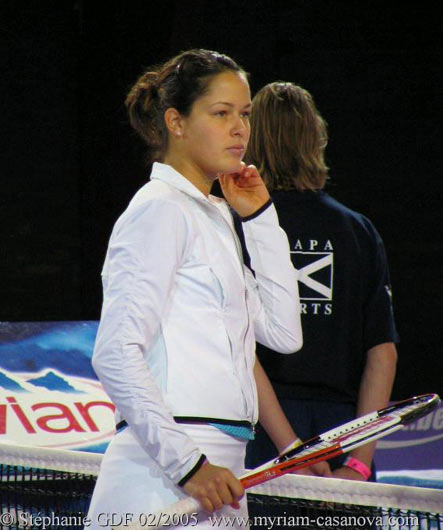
(229,168)
(234,167)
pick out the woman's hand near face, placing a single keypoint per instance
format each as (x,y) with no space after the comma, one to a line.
(214,487)
(245,190)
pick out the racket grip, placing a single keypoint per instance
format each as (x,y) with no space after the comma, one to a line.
(173,515)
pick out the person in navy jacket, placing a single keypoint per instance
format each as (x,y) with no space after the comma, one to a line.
(347,364)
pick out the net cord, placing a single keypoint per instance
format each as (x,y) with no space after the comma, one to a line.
(48,458)
(354,492)
(299,486)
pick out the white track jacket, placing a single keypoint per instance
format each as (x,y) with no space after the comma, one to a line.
(181,313)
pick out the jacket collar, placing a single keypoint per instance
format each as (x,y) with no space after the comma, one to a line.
(168,174)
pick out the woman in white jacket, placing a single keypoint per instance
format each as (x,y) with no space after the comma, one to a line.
(175,349)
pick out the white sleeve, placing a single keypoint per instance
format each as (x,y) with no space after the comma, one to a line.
(145,251)
(273,293)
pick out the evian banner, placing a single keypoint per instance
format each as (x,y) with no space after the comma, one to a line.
(49,394)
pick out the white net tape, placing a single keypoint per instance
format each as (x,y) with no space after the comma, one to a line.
(291,486)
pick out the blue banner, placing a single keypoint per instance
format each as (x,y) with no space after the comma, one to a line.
(49,394)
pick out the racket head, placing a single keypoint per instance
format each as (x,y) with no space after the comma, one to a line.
(402,412)
(413,408)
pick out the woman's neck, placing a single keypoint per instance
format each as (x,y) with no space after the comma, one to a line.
(195,175)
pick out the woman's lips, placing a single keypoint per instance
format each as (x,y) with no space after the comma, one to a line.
(237,150)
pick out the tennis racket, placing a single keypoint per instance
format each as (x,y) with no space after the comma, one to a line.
(330,444)
(344,438)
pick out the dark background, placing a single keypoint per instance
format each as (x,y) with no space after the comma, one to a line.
(70,162)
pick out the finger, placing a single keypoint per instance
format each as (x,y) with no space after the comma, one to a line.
(327,471)
(228,185)
(215,499)
(210,501)
(235,499)
(222,178)
(225,493)
(249,178)
(206,504)
(243,166)
(236,488)
(318,472)
(223,184)
(304,471)
(230,488)
(251,170)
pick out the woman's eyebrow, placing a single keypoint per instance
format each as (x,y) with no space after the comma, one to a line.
(248,105)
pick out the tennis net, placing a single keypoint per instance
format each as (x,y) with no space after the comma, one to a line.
(50,489)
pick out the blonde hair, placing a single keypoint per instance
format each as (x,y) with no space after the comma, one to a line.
(288,138)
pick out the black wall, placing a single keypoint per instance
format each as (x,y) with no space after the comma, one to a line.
(70,162)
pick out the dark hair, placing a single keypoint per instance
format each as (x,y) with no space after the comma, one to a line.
(288,138)
(178,83)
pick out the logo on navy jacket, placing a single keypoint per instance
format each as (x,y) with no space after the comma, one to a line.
(314,263)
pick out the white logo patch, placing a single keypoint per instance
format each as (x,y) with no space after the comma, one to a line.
(320,264)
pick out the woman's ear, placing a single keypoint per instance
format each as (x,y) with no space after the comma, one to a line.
(174,122)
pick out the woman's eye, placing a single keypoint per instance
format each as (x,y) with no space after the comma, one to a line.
(221,113)
(246,115)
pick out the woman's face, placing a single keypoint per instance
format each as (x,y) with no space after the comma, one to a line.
(216,132)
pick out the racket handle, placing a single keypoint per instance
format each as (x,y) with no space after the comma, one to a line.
(172,515)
